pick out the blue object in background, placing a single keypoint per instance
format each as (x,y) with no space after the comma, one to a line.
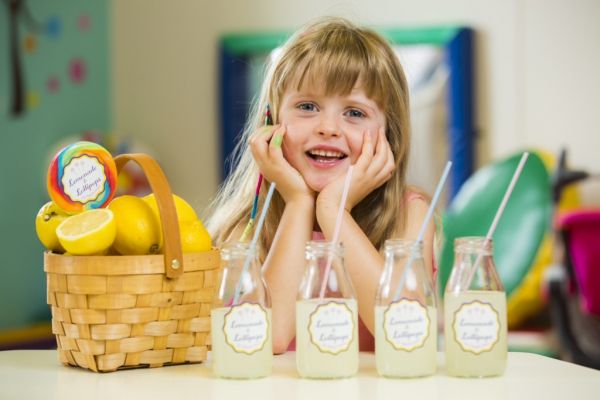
(53,27)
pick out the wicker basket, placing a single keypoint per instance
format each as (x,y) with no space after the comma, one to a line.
(117,312)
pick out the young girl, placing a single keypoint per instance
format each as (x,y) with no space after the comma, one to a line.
(338,97)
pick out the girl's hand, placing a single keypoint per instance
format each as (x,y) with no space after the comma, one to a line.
(373,168)
(265,145)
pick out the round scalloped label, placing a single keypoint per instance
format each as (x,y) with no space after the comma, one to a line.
(476,327)
(331,327)
(246,328)
(406,324)
(82,176)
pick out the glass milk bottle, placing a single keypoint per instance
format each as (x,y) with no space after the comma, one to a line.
(241,327)
(475,314)
(405,322)
(327,328)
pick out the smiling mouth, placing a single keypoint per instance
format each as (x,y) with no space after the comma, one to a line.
(326,156)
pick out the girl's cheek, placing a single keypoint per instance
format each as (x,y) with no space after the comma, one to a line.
(374,136)
(287,148)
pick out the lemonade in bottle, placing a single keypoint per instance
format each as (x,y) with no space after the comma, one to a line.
(475,312)
(405,319)
(241,317)
(327,325)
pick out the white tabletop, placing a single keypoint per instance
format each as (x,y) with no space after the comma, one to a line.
(37,374)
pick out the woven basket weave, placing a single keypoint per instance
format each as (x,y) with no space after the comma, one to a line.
(117,312)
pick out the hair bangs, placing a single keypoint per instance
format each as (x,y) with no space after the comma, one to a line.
(333,73)
(335,65)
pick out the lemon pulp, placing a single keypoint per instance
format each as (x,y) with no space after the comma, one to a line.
(90,232)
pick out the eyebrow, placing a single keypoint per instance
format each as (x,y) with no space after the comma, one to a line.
(353,98)
(364,101)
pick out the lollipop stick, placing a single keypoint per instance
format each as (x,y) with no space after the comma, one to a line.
(250,224)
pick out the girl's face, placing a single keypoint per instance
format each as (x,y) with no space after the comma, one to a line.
(325,133)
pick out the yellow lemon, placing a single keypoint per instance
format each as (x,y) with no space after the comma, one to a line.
(46,221)
(185,212)
(87,233)
(137,227)
(194,237)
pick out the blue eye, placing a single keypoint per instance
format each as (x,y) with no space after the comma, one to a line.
(306,106)
(355,113)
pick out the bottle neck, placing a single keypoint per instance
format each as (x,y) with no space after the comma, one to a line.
(473,245)
(238,251)
(319,249)
(403,248)
(474,267)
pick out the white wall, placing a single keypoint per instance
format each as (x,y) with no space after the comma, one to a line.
(537,72)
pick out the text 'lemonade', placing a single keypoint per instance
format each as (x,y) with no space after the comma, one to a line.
(476,334)
(326,328)
(241,331)
(327,338)
(475,314)
(241,341)
(406,326)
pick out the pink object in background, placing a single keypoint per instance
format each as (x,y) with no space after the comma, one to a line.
(582,228)
(52,84)
(84,22)
(77,70)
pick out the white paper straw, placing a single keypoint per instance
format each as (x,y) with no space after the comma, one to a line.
(490,233)
(261,221)
(338,226)
(434,200)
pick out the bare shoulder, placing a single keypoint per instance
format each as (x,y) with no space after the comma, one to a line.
(417,205)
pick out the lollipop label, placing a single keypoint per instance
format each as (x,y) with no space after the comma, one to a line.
(476,327)
(83,179)
(331,327)
(246,328)
(82,176)
(406,324)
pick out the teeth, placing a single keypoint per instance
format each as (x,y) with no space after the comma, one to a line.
(326,153)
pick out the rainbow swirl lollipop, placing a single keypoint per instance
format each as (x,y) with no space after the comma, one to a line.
(82,176)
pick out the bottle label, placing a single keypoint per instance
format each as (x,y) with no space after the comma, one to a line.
(331,327)
(246,328)
(476,327)
(406,324)
(83,179)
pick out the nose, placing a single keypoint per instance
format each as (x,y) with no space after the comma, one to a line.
(328,125)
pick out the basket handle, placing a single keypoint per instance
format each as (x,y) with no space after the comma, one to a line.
(166,208)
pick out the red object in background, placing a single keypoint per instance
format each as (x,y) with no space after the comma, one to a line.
(77,70)
(582,229)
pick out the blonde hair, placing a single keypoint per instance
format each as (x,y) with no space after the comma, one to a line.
(338,54)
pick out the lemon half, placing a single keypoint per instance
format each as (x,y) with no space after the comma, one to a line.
(90,232)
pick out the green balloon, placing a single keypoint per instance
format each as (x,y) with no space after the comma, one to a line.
(522,226)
